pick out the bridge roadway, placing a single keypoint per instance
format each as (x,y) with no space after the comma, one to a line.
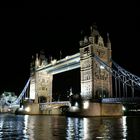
(65,64)
(129,100)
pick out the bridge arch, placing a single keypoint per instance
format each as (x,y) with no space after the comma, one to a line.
(42,99)
(101,93)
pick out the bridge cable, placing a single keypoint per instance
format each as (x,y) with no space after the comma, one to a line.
(121,72)
(17,101)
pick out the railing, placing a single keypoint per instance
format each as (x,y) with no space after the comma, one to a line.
(49,105)
(122,100)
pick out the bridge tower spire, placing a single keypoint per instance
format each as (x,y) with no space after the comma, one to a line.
(32,66)
(96,82)
(108,42)
(37,62)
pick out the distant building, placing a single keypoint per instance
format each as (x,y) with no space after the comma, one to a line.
(6,99)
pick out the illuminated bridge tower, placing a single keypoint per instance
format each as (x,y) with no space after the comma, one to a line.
(41,81)
(96,82)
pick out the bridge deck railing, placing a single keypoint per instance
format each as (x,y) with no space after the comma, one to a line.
(122,100)
(49,105)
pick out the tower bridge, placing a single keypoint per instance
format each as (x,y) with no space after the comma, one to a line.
(101,78)
(95,81)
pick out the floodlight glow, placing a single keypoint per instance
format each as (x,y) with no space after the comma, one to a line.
(27,109)
(86,104)
(74,109)
(53,62)
(102,67)
(123,108)
(66,57)
(76,104)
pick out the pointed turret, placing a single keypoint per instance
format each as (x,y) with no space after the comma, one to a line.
(42,55)
(94,30)
(108,44)
(42,58)
(37,62)
(32,66)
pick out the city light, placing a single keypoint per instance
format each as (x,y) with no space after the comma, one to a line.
(86,104)
(74,108)
(67,57)
(102,67)
(54,62)
(76,104)
(27,109)
(123,108)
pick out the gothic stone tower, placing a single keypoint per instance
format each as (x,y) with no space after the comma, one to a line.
(41,82)
(96,82)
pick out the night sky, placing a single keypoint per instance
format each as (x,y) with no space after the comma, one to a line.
(26,29)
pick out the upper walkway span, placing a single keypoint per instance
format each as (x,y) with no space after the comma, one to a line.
(63,65)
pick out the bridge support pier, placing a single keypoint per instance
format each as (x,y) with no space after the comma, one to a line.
(97,109)
(41,87)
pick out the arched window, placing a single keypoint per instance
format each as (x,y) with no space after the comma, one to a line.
(42,99)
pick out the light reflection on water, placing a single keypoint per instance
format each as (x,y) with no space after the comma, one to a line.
(37,127)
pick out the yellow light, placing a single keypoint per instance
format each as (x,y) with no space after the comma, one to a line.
(66,57)
(27,109)
(74,109)
(102,67)
(123,108)
(76,104)
(86,104)
(54,62)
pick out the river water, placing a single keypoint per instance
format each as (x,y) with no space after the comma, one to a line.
(43,127)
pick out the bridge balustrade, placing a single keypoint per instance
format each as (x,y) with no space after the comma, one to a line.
(47,105)
(122,100)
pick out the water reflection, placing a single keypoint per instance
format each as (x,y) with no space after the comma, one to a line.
(46,127)
(60,127)
(124,126)
(85,128)
(96,128)
(74,128)
(25,124)
(11,127)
